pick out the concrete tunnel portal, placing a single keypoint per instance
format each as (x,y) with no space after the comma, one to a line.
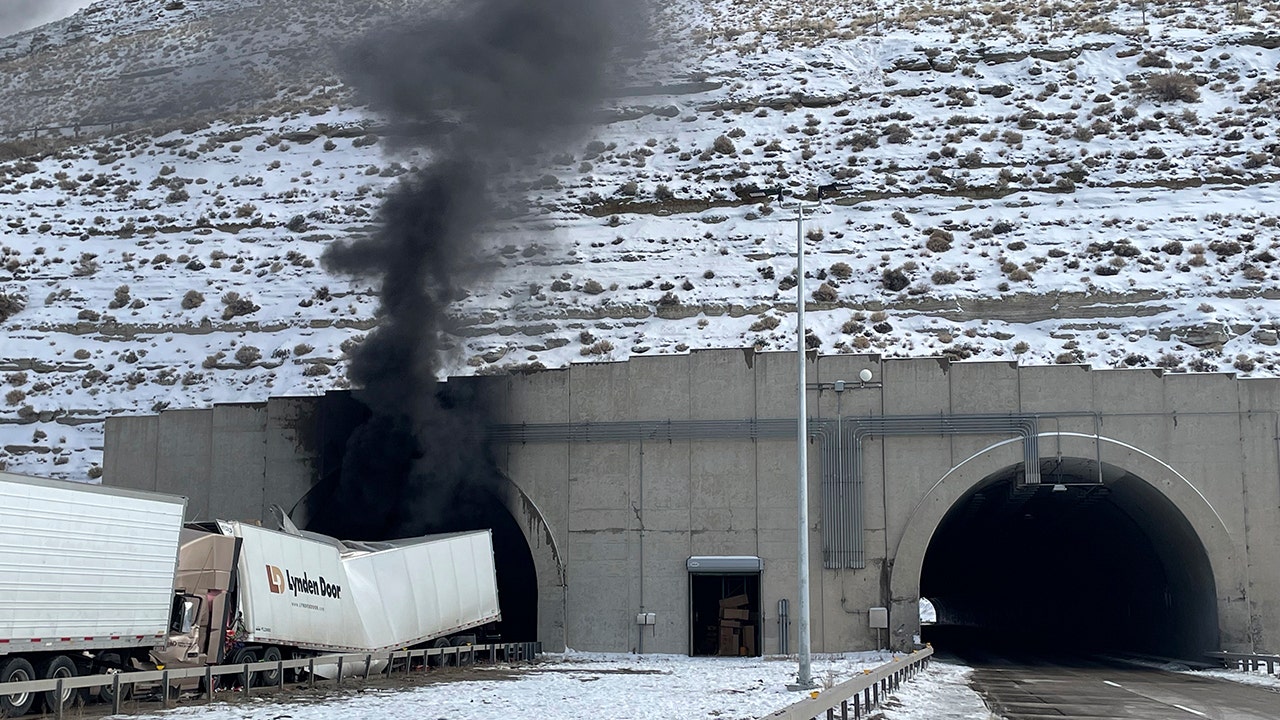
(479,505)
(1093,558)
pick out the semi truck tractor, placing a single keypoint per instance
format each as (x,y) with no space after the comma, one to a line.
(98,580)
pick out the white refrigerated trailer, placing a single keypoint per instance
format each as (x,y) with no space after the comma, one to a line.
(86,579)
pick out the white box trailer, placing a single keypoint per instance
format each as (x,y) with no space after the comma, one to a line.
(256,594)
(313,593)
(86,572)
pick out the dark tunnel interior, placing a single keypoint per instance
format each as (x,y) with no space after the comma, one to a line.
(1093,559)
(477,507)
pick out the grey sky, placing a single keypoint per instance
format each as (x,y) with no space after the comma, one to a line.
(19,15)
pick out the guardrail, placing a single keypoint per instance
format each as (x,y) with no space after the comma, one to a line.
(1248,661)
(348,664)
(860,695)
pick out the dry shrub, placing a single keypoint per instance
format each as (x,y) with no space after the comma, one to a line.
(11,305)
(1173,87)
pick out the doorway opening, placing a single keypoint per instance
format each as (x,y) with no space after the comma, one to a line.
(724,606)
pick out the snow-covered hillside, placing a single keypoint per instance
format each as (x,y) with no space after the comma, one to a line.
(1048,183)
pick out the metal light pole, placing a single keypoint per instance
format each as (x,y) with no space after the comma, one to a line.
(804,677)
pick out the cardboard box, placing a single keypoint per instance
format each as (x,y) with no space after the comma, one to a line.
(749,640)
(735,614)
(730,623)
(736,601)
(729,639)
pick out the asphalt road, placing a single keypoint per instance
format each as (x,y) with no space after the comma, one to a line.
(1066,689)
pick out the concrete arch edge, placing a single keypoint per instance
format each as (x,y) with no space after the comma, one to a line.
(548,563)
(1225,558)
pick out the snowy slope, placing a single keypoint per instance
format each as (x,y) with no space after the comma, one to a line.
(1046,184)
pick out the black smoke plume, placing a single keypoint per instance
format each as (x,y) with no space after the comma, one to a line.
(480,90)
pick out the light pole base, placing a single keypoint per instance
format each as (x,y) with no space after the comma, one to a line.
(797,686)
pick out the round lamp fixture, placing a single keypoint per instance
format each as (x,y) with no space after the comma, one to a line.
(864,375)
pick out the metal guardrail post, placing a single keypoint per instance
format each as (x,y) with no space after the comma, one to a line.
(368,662)
(208,683)
(57,710)
(340,671)
(246,679)
(164,690)
(311,673)
(115,694)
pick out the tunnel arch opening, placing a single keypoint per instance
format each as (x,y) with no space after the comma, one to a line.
(396,502)
(1092,559)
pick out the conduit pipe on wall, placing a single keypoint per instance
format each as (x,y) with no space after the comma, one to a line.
(842,517)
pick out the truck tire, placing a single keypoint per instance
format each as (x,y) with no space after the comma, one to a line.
(60,666)
(16,670)
(240,657)
(112,664)
(269,678)
(442,659)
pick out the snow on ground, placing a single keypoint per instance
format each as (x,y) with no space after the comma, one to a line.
(941,692)
(1248,677)
(576,686)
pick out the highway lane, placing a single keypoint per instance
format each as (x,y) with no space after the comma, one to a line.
(1088,689)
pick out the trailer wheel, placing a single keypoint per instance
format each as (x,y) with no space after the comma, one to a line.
(60,666)
(268,678)
(112,664)
(443,658)
(245,656)
(16,670)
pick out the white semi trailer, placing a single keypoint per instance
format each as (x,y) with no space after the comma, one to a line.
(86,578)
(96,579)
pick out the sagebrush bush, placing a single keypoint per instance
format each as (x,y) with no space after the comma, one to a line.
(1173,87)
(825,293)
(192,300)
(11,305)
(944,277)
(894,280)
(248,354)
(235,306)
(768,322)
(840,271)
(600,347)
(939,240)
